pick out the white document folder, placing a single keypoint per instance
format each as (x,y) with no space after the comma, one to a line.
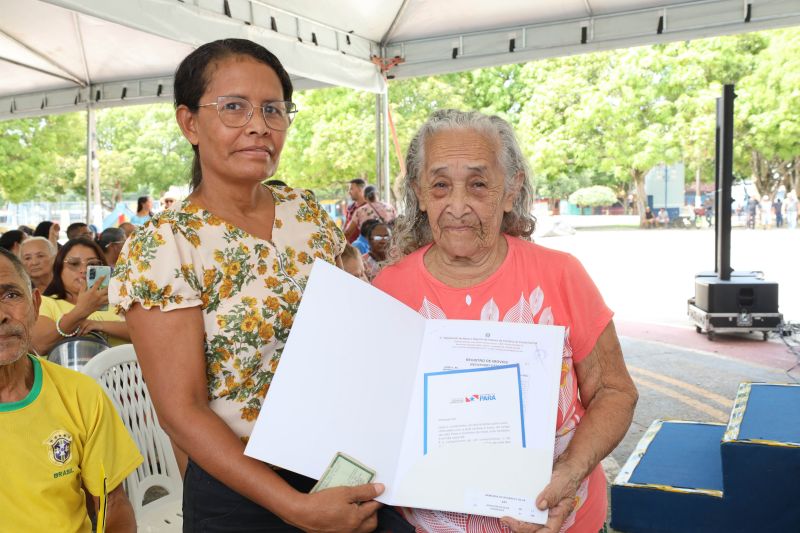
(352,379)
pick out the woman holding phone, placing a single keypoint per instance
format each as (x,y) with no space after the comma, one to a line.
(70,307)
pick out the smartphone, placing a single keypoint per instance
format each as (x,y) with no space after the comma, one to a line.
(95,272)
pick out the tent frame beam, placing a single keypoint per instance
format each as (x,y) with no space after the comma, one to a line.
(518,44)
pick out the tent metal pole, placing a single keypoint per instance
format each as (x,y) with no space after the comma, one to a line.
(90,137)
(378,143)
(386,187)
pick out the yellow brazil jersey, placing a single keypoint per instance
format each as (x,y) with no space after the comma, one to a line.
(65,433)
(55,308)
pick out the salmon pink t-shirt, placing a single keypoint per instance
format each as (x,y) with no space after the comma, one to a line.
(533,285)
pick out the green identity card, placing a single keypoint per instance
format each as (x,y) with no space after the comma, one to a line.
(344,471)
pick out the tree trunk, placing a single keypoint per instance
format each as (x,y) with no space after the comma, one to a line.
(641,196)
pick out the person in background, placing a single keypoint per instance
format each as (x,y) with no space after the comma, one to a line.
(70,308)
(371,210)
(765,212)
(79,230)
(777,208)
(111,241)
(356,192)
(352,263)
(128,228)
(12,239)
(48,230)
(649,218)
(462,251)
(144,210)
(219,279)
(62,437)
(362,243)
(37,254)
(26,229)
(379,235)
(663,218)
(790,210)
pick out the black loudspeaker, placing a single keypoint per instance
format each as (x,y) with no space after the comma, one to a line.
(738,294)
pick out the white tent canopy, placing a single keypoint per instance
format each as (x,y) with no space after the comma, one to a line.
(63,55)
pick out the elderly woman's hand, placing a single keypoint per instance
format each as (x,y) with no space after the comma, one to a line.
(558,496)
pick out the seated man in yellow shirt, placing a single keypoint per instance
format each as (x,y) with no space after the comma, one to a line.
(61,434)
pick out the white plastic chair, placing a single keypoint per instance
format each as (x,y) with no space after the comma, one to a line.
(117,371)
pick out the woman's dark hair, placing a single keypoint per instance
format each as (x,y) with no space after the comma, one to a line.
(140,203)
(56,287)
(43,229)
(10,238)
(193,76)
(371,194)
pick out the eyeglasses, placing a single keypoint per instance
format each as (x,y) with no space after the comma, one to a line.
(235,112)
(76,262)
(381,237)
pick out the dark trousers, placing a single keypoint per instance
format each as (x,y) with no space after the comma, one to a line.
(211,507)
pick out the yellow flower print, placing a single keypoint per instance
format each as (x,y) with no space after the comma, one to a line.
(215,367)
(263,390)
(273,365)
(229,381)
(266,331)
(249,301)
(226,288)
(237,363)
(194,223)
(123,291)
(159,239)
(224,353)
(250,323)
(303,257)
(292,297)
(286,319)
(249,384)
(204,300)
(278,223)
(249,414)
(291,270)
(219,257)
(208,276)
(290,253)
(272,303)
(213,220)
(231,269)
(167,291)
(327,248)
(191,209)
(194,240)
(272,283)
(221,322)
(262,269)
(136,250)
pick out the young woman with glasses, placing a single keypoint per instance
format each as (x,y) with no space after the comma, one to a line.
(70,308)
(217,280)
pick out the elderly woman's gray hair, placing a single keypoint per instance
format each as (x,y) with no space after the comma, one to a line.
(412,230)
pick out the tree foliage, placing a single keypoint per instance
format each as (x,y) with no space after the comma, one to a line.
(594,196)
(597,119)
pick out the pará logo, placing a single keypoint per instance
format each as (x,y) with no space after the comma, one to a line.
(480,397)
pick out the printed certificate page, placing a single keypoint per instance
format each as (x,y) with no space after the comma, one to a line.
(495,475)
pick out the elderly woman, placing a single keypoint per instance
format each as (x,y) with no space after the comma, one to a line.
(37,255)
(211,287)
(462,251)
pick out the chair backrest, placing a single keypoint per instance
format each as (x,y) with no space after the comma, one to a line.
(117,371)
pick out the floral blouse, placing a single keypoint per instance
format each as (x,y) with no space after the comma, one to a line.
(248,288)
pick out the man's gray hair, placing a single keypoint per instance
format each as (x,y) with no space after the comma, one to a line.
(20,268)
(412,229)
(50,247)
